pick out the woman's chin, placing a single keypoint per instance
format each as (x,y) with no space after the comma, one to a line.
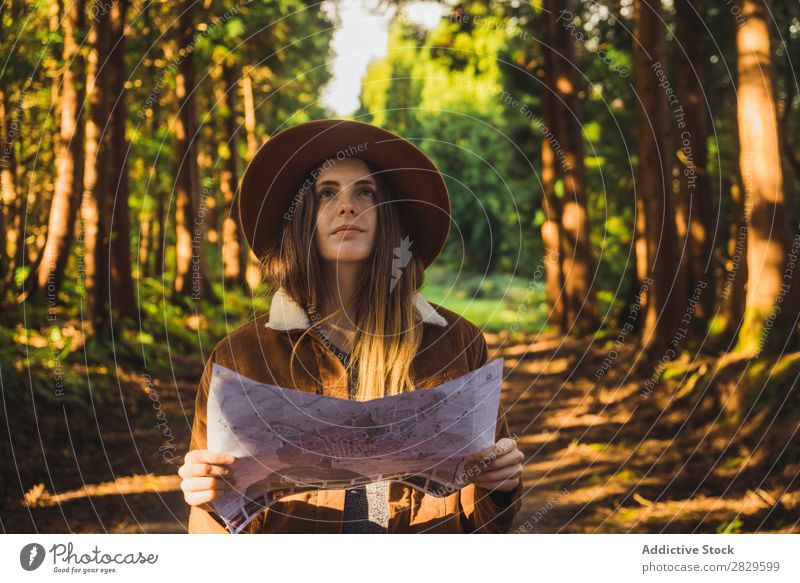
(347,255)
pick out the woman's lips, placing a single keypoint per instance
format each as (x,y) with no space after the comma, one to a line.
(348,232)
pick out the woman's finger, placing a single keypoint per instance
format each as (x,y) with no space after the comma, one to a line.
(502,447)
(197,456)
(202,469)
(202,497)
(198,484)
(511,458)
(512,471)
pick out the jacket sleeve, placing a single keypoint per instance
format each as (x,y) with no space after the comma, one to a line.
(199,425)
(486,511)
(202,518)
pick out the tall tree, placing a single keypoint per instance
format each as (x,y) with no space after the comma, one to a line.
(122,297)
(231,245)
(190,274)
(49,275)
(733,238)
(771,307)
(152,263)
(657,245)
(695,212)
(9,215)
(253,270)
(551,230)
(15,69)
(577,263)
(94,207)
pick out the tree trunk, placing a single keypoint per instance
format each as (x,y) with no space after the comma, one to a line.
(145,244)
(122,297)
(160,235)
(9,202)
(659,257)
(733,244)
(55,11)
(551,231)
(551,238)
(5,267)
(231,246)
(770,307)
(253,271)
(249,114)
(788,137)
(206,154)
(25,203)
(9,211)
(190,276)
(791,92)
(94,211)
(69,178)
(696,213)
(577,262)
(735,284)
(13,251)
(153,260)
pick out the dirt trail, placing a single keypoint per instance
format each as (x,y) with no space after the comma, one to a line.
(600,457)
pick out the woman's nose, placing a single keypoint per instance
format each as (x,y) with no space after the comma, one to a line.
(346,202)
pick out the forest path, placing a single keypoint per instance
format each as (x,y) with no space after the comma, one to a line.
(600,457)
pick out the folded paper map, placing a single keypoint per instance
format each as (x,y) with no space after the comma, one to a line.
(287,441)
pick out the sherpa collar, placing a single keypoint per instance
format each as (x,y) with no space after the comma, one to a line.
(286,314)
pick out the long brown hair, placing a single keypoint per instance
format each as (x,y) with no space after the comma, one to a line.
(388,331)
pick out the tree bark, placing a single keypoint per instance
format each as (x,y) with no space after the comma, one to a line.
(231,245)
(55,11)
(735,285)
(160,235)
(94,211)
(145,244)
(771,307)
(9,205)
(695,205)
(577,263)
(253,270)
(153,261)
(69,178)
(123,299)
(551,230)
(659,258)
(190,274)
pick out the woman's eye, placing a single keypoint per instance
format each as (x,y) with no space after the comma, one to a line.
(327,191)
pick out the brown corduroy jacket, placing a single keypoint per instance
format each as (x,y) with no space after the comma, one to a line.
(451,346)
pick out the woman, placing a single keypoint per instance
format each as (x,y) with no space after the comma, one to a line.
(345,245)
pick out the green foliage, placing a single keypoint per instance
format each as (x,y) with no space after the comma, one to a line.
(50,353)
(469,94)
(732,526)
(495,302)
(768,381)
(447,90)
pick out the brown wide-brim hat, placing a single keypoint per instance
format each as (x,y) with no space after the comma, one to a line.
(277,172)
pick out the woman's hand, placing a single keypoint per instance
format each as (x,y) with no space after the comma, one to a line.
(498,467)
(204,474)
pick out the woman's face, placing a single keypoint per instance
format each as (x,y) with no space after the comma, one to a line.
(346,196)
